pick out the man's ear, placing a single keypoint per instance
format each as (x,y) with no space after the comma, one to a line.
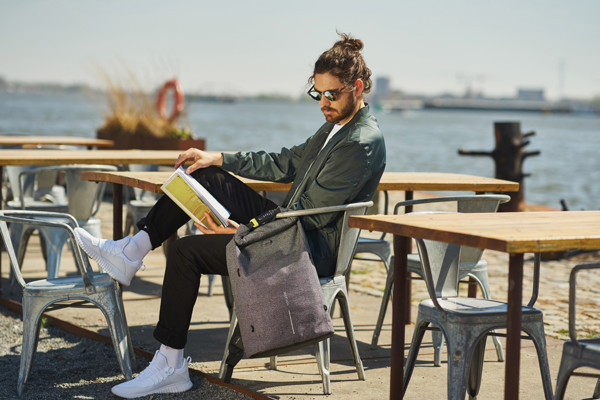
(358,87)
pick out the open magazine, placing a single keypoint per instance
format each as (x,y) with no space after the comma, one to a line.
(193,198)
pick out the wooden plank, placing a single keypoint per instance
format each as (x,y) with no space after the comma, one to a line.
(431,181)
(32,140)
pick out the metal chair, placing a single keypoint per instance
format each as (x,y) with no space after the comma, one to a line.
(577,353)
(31,190)
(470,264)
(466,322)
(84,199)
(379,246)
(333,287)
(140,202)
(43,294)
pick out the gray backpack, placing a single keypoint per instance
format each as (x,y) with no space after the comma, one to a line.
(277,294)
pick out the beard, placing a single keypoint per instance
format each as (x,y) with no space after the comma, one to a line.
(341,114)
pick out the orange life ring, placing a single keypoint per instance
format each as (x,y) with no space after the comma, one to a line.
(161,103)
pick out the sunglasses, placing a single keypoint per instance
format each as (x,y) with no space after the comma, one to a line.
(330,95)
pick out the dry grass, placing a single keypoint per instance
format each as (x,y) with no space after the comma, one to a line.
(133,110)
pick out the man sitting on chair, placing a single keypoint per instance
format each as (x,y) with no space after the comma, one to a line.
(340,164)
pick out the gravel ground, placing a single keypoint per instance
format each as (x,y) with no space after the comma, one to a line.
(66,366)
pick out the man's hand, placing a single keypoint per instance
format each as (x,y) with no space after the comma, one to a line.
(199,159)
(212,227)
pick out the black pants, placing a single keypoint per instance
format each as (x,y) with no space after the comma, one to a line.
(191,256)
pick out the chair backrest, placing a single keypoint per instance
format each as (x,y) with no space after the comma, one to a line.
(481,203)
(440,267)
(42,218)
(84,196)
(573,298)
(348,236)
(464,204)
(23,186)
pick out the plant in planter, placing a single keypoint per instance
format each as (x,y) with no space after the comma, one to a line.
(134,121)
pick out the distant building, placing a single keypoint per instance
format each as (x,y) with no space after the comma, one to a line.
(382,87)
(531,94)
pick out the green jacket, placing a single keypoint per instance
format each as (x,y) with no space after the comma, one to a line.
(347,170)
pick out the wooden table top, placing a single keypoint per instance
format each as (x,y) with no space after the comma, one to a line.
(31,140)
(444,181)
(151,181)
(510,232)
(110,157)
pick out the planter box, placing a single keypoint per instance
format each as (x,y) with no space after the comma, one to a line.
(127,141)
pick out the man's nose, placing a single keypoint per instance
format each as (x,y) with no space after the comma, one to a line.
(324,101)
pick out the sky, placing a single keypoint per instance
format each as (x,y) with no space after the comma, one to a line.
(250,47)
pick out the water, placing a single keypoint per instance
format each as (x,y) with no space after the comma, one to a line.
(568,167)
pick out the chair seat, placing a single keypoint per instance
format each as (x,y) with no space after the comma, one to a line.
(456,307)
(69,284)
(588,351)
(37,205)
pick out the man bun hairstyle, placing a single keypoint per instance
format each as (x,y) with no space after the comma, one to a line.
(345,62)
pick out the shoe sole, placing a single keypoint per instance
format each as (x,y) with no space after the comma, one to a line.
(108,267)
(173,388)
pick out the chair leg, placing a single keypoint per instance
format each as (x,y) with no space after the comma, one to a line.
(225,371)
(415,345)
(567,365)
(211,284)
(387,294)
(459,361)
(111,305)
(227,293)
(476,369)
(323,362)
(437,339)
(31,331)
(345,309)
(536,331)
(273,362)
(55,239)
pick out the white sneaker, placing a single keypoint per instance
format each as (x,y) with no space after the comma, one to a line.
(109,255)
(158,377)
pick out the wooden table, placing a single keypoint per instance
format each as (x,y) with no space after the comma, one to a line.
(33,140)
(43,157)
(403,181)
(513,233)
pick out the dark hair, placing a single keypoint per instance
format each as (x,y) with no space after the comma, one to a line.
(345,62)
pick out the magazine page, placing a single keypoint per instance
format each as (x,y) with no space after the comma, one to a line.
(193,198)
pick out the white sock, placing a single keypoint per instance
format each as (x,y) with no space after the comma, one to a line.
(138,246)
(174,356)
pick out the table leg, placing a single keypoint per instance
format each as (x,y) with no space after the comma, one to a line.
(399,317)
(513,326)
(408,195)
(117,211)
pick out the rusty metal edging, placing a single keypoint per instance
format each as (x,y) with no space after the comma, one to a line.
(80,331)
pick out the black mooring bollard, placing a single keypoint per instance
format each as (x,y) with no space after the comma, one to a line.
(508,156)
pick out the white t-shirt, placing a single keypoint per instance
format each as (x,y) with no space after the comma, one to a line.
(335,130)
